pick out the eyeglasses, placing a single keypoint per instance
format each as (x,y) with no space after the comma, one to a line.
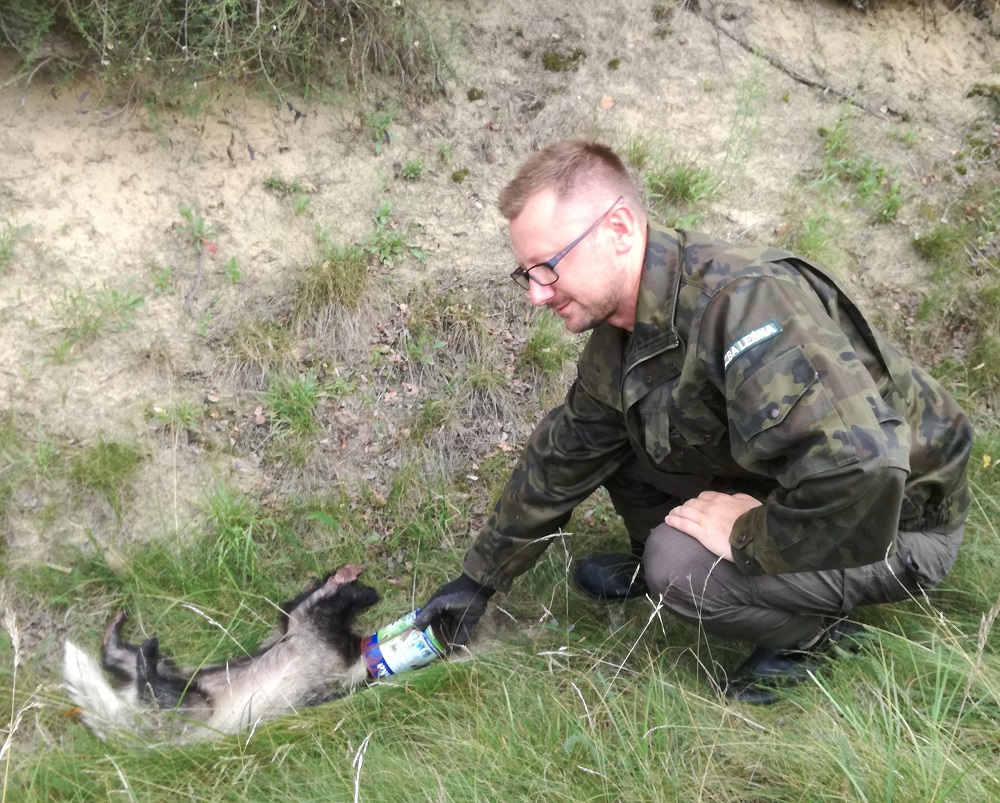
(544,273)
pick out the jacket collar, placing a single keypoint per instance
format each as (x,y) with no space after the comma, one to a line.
(656,306)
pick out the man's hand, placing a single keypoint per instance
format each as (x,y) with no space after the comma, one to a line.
(709,519)
(454,609)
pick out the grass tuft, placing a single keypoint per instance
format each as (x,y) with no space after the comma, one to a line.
(339,275)
(107,468)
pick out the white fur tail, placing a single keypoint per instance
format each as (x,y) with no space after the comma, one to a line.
(103,710)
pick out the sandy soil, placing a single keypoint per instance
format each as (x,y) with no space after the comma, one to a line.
(98,186)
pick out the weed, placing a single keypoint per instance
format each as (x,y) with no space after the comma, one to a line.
(232,272)
(198,230)
(475,94)
(812,237)
(460,175)
(547,348)
(554,61)
(446,150)
(177,420)
(236,527)
(258,346)
(9,235)
(85,315)
(389,243)
(107,468)
(377,122)
(614,64)
(338,276)
(300,203)
(413,169)
(744,127)
(676,188)
(638,151)
(292,401)
(281,186)
(163,279)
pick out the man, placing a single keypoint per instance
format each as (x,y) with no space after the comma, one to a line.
(776,462)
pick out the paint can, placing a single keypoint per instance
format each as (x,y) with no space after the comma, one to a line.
(399,647)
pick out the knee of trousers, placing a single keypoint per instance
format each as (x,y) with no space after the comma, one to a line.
(677,570)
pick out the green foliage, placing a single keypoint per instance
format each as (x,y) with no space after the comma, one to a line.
(163,279)
(377,122)
(812,237)
(107,468)
(232,271)
(281,186)
(475,94)
(413,169)
(258,346)
(676,191)
(555,61)
(460,175)
(547,348)
(198,231)
(84,315)
(390,242)
(171,45)
(339,275)
(292,401)
(236,526)
(9,235)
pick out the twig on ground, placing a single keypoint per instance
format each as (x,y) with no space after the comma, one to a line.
(194,286)
(795,75)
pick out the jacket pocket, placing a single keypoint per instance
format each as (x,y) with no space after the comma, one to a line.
(784,415)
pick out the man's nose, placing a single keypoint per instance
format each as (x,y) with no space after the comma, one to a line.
(539,294)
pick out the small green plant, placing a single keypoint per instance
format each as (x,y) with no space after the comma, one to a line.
(460,175)
(199,231)
(107,468)
(258,346)
(812,237)
(86,314)
(554,61)
(232,271)
(446,150)
(300,203)
(389,243)
(676,188)
(547,348)
(163,279)
(614,64)
(377,122)
(281,186)
(236,527)
(183,418)
(9,235)
(292,401)
(475,94)
(638,152)
(413,169)
(339,275)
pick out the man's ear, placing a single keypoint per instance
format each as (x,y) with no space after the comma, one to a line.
(625,227)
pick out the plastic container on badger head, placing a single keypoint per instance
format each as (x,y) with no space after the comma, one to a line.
(400,647)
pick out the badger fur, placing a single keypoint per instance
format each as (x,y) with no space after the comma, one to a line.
(312,656)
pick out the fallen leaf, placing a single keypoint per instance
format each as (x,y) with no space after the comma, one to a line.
(607,102)
(258,415)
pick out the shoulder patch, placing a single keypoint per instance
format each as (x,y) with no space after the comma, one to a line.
(753,337)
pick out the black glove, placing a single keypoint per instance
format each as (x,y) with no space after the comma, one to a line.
(454,609)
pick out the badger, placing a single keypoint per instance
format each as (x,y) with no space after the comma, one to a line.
(312,656)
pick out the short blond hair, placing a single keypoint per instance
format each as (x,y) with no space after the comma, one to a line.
(567,168)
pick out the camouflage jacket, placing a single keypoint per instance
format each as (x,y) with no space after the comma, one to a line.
(749,363)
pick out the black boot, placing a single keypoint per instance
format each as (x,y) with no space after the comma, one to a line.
(611,577)
(768,670)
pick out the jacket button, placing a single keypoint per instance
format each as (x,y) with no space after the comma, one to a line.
(773,413)
(742,538)
(649,381)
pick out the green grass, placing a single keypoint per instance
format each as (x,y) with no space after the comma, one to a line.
(258,346)
(85,315)
(107,468)
(390,241)
(9,235)
(338,275)
(292,402)
(678,191)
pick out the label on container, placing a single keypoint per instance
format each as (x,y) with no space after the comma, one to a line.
(399,647)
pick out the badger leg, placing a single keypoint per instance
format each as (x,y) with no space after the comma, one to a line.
(118,657)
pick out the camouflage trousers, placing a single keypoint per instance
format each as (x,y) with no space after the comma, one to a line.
(778,610)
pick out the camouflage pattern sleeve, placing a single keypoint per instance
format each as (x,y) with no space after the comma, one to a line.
(805,412)
(571,452)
